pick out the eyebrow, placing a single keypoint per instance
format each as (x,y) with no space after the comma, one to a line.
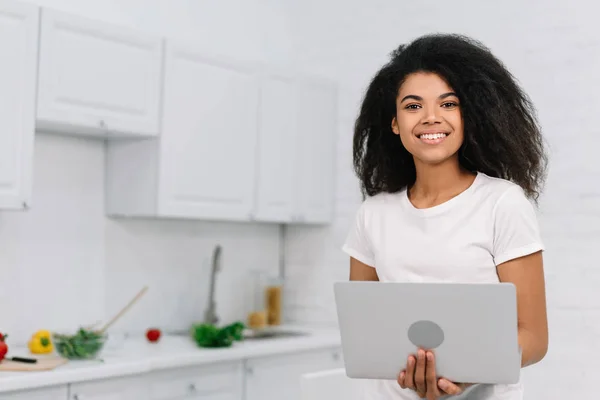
(419,98)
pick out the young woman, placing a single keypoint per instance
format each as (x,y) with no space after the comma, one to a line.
(451,161)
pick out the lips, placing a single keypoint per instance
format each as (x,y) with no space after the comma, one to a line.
(433,137)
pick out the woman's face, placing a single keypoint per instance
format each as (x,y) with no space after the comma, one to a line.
(428,118)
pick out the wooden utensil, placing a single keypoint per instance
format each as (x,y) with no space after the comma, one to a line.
(125,309)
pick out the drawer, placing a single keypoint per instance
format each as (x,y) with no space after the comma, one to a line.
(121,388)
(46,393)
(223,378)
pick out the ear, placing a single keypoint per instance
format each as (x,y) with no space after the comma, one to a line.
(395,126)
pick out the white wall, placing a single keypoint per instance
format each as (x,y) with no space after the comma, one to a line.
(553,47)
(64,264)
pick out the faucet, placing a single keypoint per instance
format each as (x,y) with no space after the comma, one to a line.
(210,315)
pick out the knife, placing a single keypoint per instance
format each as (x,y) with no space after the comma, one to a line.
(22,359)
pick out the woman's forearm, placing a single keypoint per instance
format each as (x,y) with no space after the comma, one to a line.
(533,347)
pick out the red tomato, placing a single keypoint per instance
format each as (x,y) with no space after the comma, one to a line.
(153,334)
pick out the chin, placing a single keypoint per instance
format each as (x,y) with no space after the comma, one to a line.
(435,159)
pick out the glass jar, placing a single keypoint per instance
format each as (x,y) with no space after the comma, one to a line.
(273,294)
(265,308)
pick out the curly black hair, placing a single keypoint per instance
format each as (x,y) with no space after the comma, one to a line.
(502,137)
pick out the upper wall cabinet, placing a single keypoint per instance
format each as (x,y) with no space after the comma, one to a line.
(18,49)
(296,150)
(203,166)
(236,144)
(276,149)
(315,164)
(97,79)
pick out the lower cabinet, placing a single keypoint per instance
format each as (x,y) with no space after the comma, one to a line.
(222,381)
(262,378)
(122,388)
(45,393)
(278,377)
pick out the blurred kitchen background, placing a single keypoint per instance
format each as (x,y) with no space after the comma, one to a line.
(67,260)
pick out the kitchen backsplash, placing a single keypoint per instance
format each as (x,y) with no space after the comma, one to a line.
(64,263)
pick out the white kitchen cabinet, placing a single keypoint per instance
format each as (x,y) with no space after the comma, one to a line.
(133,387)
(45,393)
(203,165)
(97,79)
(278,377)
(236,144)
(316,127)
(219,381)
(296,150)
(19,26)
(275,183)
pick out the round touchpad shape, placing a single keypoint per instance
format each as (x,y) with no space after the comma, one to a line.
(426,334)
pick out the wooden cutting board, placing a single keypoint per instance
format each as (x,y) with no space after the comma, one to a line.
(43,364)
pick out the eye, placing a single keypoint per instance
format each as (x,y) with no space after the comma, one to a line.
(412,106)
(450,104)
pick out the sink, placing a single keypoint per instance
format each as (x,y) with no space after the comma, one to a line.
(178,333)
(249,334)
(272,334)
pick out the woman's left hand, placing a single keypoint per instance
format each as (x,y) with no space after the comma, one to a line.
(421,377)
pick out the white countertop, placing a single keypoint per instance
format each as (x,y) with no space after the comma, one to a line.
(136,355)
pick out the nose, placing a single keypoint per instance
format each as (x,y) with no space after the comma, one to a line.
(431,115)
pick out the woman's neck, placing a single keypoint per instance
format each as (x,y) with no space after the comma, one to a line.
(436,184)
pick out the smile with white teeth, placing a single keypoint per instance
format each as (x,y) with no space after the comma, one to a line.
(433,138)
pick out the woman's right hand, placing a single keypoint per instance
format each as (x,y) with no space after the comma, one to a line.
(420,376)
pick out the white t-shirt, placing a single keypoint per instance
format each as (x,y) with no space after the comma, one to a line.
(461,240)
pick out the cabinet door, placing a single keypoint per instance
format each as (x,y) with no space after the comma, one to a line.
(278,377)
(122,388)
(315,163)
(18,50)
(276,148)
(209,136)
(223,381)
(46,393)
(96,78)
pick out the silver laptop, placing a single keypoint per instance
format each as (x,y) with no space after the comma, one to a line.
(471,328)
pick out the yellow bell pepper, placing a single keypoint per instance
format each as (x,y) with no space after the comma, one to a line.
(40,343)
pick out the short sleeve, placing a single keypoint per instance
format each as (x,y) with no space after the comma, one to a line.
(516,228)
(357,243)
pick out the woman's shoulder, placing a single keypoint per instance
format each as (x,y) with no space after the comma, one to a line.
(501,192)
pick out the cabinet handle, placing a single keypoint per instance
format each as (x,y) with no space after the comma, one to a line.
(77,397)
(335,356)
(102,124)
(249,370)
(192,387)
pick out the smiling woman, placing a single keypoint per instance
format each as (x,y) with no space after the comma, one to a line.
(435,102)
(450,159)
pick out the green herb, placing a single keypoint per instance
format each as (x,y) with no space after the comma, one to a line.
(208,335)
(85,344)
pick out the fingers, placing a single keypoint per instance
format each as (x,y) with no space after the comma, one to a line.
(421,385)
(409,379)
(401,379)
(420,376)
(431,377)
(449,387)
